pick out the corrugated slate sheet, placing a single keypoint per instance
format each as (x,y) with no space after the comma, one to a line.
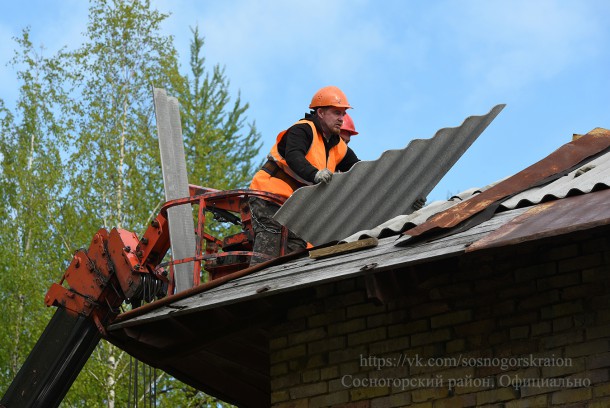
(592,176)
(468,213)
(402,223)
(373,192)
(175,182)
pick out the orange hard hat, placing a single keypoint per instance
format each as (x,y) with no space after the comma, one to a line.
(329,96)
(348,125)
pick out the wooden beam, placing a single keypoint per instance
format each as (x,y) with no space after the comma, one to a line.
(344,248)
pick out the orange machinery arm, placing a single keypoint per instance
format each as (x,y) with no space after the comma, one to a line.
(118,267)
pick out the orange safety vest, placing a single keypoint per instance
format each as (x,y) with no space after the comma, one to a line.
(316,155)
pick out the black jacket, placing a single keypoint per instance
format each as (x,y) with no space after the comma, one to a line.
(296,142)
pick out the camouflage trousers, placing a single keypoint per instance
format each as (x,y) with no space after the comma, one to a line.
(267,231)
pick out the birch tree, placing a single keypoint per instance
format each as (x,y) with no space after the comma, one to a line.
(33,249)
(114,167)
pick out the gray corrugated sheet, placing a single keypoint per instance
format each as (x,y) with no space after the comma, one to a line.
(401,223)
(175,182)
(594,175)
(373,192)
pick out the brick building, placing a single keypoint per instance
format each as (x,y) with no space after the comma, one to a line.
(491,329)
(510,309)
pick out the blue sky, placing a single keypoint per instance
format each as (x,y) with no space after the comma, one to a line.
(409,68)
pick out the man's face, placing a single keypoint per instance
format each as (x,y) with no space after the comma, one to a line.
(331,119)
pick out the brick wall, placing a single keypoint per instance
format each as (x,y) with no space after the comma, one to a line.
(455,339)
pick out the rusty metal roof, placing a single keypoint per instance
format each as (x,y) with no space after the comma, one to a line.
(551,218)
(592,176)
(373,192)
(567,158)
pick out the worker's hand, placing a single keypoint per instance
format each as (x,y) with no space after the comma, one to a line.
(419,203)
(323,175)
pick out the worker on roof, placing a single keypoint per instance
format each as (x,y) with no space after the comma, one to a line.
(307,153)
(347,129)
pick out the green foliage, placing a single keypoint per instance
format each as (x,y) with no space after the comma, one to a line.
(80,152)
(32,248)
(115,169)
